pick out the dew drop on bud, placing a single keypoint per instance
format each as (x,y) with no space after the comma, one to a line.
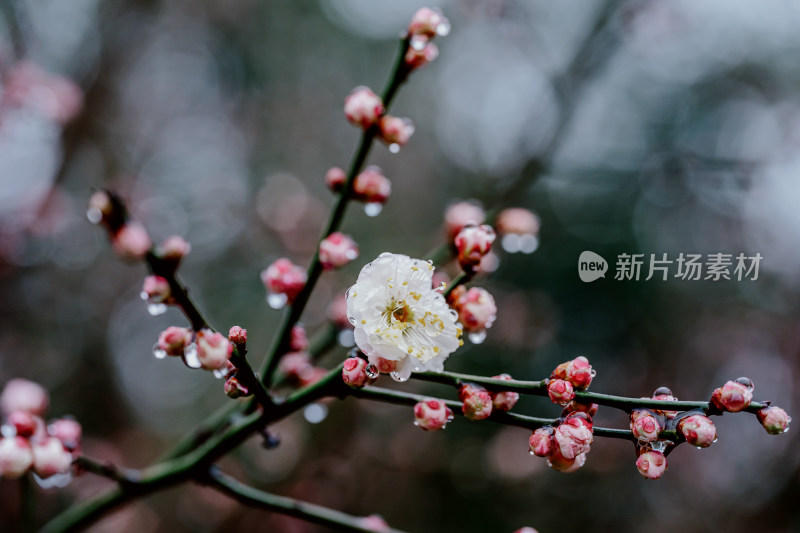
(8,431)
(315,413)
(373,209)
(416,423)
(477,337)
(443,29)
(144,296)
(418,42)
(94,215)
(277,300)
(747,382)
(190,356)
(531,453)
(156,309)
(372,371)
(394,148)
(158,352)
(346,338)
(398,378)
(54,481)
(451,417)
(221,372)
(659,446)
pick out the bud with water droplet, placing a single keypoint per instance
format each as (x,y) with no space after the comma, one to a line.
(472,243)
(234,389)
(363,107)
(50,457)
(558,462)
(774,419)
(69,432)
(213,349)
(505,400)
(371,186)
(573,436)
(156,291)
(131,241)
(651,464)
(173,340)
(698,430)
(284,280)
(541,441)
(16,457)
(429,22)
(576,406)
(24,423)
(174,249)
(560,391)
(395,131)
(476,402)
(644,425)
(431,414)
(578,372)
(664,394)
(354,372)
(24,395)
(734,396)
(476,310)
(337,250)
(238,335)
(420,53)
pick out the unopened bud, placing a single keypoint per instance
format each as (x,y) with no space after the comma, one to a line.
(651,464)
(173,340)
(174,249)
(541,441)
(560,391)
(475,306)
(68,432)
(24,423)
(50,458)
(573,437)
(644,425)
(505,400)
(563,464)
(213,349)
(284,277)
(238,335)
(576,406)
(24,395)
(371,186)
(476,403)
(155,290)
(472,243)
(362,107)
(733,396)
(336,250)
(132,241)
(395,131)
(16,457)
(421,56)
(774,419)
(234,389)
(429,22)
(432,415)
(460,215)
(354,372)
(698,430)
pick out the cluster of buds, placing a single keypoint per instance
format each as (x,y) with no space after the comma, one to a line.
(477,403)
(432,415)
(297,369)
(568,377)
(370,186)
(283,281)
(28,444)
(518,229)
(364,108)
(357,372)
(205,349)
(426,24)
(337,250)
(565,446)
(472,244)
(476,309)
(237,336)
(504,400)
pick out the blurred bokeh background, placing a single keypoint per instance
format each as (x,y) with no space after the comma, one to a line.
(676,130)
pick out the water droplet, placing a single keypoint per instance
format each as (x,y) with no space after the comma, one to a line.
(190,358)
(94,215)
(315,413)
(351,254)
(156,309)
(715,439)
(528,244)
(511,243)
(221,372)
(416,423)
(346,338)
(353,352)
(394,148)
(372,371)
(442,287)
(443,29)
(418,42)
(451,417)
(158,352)
(699,447)
(8,431)
(373,209)
(144,296)
(659,446)
(531,453)
(593,372)
(785,430)
(398,377)
(277,300)
(477,337)
(54,481)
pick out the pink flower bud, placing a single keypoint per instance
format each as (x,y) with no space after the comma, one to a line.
(16,457)
(155,290)
(213,349)
(472,243)
(541,441)
(234,389)
(283,277)
(100,207)
(296,367)
(337,312)
(362,107)
(563,464)
(376,523)
(335,179)
(173,340)
(517,221)
(560,391)
(371,186)
(573,437)
(579,407)
(429,23)
(698,430)
(132,241)
(460,215)
(68,432)
(24,423)
(774,419)
(644,425)
(56,98)
(354,372)
(394,130)
(174,249)
(733,396)
(475,307)
(238,335)
(651,464)
(578,372)
(477,403)
(298,340)
(665,395)
(50,458)
(419,57)
(432,415)
(504,401)
(23,395)
(336,250)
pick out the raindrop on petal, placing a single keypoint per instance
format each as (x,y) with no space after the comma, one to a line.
(94,215)
(372,371)
(394,148)
(398,377)
(277,300)
(190,356)
(156,309)
(315,413)
(477,337)
(373,209)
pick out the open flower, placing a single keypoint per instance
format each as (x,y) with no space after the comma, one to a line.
(398,316)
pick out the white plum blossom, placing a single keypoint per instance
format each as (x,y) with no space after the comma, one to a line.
(398,315)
